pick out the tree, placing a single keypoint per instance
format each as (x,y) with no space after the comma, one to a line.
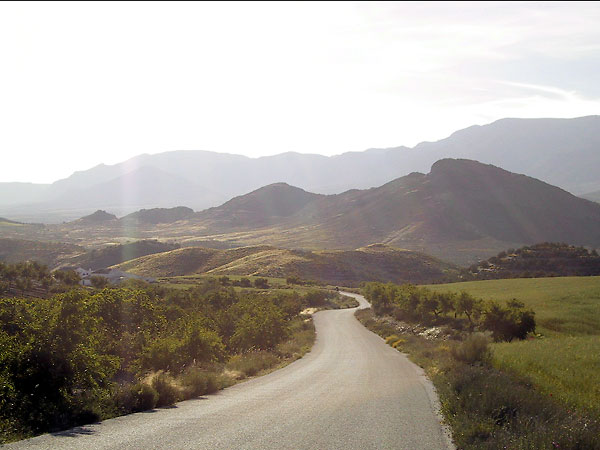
(467,305)
(510,322)
(245,282)
(99,282)
(261,283)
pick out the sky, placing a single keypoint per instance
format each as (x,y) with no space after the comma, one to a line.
(89,83)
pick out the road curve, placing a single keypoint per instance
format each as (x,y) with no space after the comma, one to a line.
(352,391)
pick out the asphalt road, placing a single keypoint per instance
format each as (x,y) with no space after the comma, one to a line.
(352,391)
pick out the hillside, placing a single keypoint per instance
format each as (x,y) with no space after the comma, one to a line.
(49,253)
(375,262)
(118,253)
(539,260)
(159,215)
(562,152)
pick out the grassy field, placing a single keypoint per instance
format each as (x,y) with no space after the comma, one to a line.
(564,361)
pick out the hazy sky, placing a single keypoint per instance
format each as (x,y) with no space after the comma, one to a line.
(89,83)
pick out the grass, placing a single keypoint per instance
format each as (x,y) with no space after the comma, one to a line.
(488,408)
(564,362)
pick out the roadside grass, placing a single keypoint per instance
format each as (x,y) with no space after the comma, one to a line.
(489,408)
(564,362)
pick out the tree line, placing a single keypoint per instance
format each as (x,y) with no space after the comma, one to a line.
(419,304)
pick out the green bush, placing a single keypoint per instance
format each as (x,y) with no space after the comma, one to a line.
(168,394)
(473,349)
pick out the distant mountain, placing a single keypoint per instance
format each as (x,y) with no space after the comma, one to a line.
(160,215)
(98,217)
(20,193)
(461,211)
(377,262)
(562,152)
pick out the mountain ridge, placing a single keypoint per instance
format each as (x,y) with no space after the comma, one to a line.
(561,152)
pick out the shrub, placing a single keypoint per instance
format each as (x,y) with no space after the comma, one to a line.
(137,397)
(253,362)
(261,283)
(473,349)
(168,393)
(199,382)
(508,323)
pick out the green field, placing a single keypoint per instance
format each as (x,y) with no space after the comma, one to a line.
(564,361)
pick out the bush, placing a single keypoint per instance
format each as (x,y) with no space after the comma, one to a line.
(473,349)
(136,397)
(510,322)
(253,362)
(199,382)
(168,393)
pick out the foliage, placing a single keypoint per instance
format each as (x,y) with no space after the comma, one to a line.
(473,349)
(547,259)
(419,304)
(84,354)
(168,393)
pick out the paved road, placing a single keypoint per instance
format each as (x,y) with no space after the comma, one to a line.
(352,391)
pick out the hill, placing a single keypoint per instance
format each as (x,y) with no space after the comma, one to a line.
(118,253)
(561,152)
(98,217)
(375,262)
(49,253)
(159,215)
(539,260)
(265,206)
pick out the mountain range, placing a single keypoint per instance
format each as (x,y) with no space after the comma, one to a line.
(461,211)
(561,152)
